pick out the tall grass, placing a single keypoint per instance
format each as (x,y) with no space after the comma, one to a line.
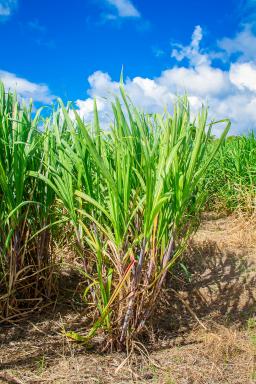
(24,275)
(130,197)
(231,178)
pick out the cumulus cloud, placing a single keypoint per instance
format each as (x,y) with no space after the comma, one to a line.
(6,8)
(124,8)
(191,52)
(243,75)
(243,44)
(201,80)
(25,88)
(229,93)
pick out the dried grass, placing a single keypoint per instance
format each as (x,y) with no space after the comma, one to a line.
(181,351)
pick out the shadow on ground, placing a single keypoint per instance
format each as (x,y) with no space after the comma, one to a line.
(218,286)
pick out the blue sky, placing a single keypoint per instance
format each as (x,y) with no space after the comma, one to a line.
(76,50)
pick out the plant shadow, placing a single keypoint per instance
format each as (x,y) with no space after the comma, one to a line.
(217,287)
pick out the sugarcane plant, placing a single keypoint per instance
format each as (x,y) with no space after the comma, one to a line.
(138,193)
(24,281)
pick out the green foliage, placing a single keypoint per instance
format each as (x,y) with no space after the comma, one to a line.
(135,207)
(129,196)
(232,175)
(24,205)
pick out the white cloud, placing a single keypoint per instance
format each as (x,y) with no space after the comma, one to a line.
(243,44)
(201,80)
(230,93)
(26,89)
(6,8)
(101,85)
(243,75)
(124,8)
(192,51)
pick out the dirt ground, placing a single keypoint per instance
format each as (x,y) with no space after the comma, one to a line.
(205,335)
